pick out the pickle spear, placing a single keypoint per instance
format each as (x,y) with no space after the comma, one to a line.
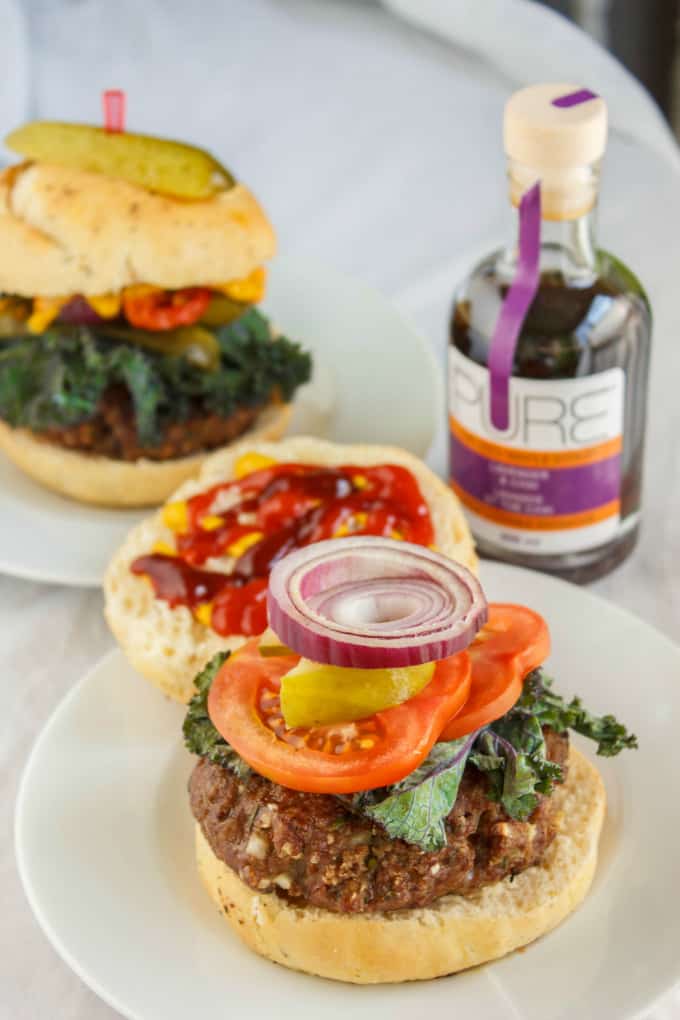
(157,164)
(199,346)
(313,694)
(222,310)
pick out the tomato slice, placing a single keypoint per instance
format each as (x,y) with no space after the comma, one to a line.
(514,641)
(244,706)
(166,309)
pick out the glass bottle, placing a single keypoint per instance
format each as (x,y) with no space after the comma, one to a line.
(558,488)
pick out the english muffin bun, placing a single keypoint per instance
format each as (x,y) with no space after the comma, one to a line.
(103,481)
(169,646)
(66,231)
(454,933)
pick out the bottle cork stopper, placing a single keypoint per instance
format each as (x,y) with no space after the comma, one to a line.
(555,133)
(555,126)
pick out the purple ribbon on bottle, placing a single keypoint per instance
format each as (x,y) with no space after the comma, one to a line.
(515,306)
(522,289)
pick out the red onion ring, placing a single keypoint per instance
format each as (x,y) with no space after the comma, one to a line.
(373,603)
(79,313)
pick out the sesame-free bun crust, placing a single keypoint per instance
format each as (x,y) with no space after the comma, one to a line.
(103,481)
(454,933)
(66,231)
(168,646)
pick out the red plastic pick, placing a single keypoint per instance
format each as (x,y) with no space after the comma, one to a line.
(113,101)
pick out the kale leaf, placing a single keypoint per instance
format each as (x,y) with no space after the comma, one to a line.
(200,736)
(57,379)
(510,751)
(512,754)
(415,808)
(539,700)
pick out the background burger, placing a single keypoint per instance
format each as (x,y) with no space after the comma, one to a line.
(386,789)
(129,341)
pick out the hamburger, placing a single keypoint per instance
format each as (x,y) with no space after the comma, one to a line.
(191,579)
(386,789)
(130,341)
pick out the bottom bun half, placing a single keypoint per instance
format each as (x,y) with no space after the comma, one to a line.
(103,481)
(454,933)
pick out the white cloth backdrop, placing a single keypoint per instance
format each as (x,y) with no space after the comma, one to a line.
(373,138)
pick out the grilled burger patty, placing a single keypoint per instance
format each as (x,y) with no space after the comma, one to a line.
(311,850)
(113,431)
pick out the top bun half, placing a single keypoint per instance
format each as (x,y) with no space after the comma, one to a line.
(66,231)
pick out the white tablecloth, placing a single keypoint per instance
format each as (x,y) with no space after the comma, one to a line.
(375,144)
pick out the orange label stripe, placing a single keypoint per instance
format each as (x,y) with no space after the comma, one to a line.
(536,458)
(537,522)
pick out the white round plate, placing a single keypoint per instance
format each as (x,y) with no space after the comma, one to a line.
(105,850)
(367,359)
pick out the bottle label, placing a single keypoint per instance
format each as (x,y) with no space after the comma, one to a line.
(551,481)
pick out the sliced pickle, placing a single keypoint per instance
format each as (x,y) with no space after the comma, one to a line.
(199,346)
(157,164)
(313,694)
(222,310)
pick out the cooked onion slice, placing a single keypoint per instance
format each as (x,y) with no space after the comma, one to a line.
(373,603)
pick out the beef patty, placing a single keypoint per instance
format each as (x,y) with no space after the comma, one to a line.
(113,431)
(311,850)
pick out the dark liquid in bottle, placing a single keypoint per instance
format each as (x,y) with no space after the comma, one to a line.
(571,332)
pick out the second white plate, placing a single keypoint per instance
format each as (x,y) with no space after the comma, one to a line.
(375,381)
(105,849)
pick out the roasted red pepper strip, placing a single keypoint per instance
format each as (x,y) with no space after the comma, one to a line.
(166,309)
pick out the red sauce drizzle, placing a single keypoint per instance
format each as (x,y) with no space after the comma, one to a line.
(292,505)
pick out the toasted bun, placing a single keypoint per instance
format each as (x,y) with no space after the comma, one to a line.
(455,933)
(66,231)
(90,478)
(168,646)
